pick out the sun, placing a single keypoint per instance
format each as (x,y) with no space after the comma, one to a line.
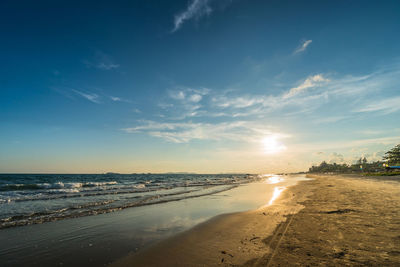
(272,145)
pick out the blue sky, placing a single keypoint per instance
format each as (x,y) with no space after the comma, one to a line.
(200,85)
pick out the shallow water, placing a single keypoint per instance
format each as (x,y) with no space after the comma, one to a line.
(101,239)
(37,198)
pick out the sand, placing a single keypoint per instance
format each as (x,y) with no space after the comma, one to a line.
(328,221)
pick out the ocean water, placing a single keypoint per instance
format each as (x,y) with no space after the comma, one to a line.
(37,198)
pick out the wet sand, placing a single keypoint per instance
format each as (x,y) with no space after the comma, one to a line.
(328,221)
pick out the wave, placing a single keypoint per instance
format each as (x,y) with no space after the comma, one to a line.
(95,208)
(57,185)
(27,199)
(74,193)
(59,190)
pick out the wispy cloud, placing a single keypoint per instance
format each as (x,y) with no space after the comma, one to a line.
(195,98)
(313,92)
(106,66)
(195,10)
(178,95)
(370,132)
(386,106)
(92,97)
(303,46)
(245,117)
(336,158)
(311,81)
(115,98)
(184,132)
(263,103)
(330,119)
(356,145)
(186,101)
(238,102)
(101,61)
(188,94)
(119,99)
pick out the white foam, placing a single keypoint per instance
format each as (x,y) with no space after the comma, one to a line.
(100,183)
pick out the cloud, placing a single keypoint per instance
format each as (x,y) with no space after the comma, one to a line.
(183,132)
(119,99)
(106,66)
(370,132)
(195,98)
(177,95)
(303,46)
(336,158)
(330,119)
(377,155)
(195,10)
(339,97)
(238,102)
(343,89)
(188,94)
(359,149)
(262,104)
(101,61)
(353,145)
(92,97)
(186,101)
(233,115)
(115,98)
(311,81)
(386,106)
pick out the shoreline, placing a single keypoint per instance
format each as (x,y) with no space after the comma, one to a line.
(330,220)
(104,238)
(228,239)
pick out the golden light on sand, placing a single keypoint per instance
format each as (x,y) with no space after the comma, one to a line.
(272,145)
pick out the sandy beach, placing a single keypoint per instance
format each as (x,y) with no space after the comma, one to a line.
(328,221)
(199,133)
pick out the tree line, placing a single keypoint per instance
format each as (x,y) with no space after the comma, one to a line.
(391,158)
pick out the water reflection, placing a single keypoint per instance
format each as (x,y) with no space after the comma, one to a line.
(274,179)
(175,223)
(277,191)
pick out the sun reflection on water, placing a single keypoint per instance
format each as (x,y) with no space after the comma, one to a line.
(274,179)
(277,191)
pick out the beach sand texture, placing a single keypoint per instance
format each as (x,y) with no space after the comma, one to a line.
(327,221)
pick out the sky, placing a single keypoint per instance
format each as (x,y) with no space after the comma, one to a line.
(206,86)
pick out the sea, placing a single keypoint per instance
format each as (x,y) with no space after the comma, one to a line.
(37,198)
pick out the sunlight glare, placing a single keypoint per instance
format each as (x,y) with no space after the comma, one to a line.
(274,180)
(277,191)
(272,145)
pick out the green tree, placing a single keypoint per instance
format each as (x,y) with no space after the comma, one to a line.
(393,155)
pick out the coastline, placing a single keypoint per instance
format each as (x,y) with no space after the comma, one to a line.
(104,238)
(330,220)
(228,239)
